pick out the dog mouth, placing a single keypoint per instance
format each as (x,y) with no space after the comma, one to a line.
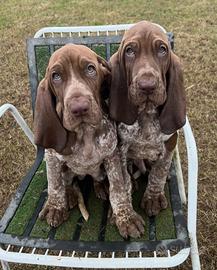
(81,112)
(86,120)
(153,92)
(137,96)
(71,123)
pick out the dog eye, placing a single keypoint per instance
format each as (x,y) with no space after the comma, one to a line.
(129,51)
(162,50)
(91,70)
(56,77)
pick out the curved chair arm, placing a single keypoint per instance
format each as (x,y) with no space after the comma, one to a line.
(19,119)
(192,192)
(192,176)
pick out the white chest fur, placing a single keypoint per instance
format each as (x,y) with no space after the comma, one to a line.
(82,161)
(143,139)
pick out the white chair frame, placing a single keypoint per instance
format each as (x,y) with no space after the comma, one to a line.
(140,261)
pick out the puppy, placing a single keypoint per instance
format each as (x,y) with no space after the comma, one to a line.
(147,99)
(72,124)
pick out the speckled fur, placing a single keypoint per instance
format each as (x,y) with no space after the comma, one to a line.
(78,161)
(79,145)
(147,98)
(104,151)
(61,169)
(144,141)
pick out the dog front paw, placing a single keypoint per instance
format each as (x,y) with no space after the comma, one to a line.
(54,215)
(129,223)
(153,203)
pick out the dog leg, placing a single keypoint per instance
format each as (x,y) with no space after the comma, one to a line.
(73,192)
(100,183)
(127,220)
(154,199)
(55,210)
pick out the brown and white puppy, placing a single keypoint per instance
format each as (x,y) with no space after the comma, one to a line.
(78,136)
(147,98)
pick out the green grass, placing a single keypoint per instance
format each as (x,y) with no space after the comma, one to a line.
(42,55)
(40,229)
(137,197)
(28,203)
(89,229)
(112,233)
(100,49)
(66,230)
(165,228)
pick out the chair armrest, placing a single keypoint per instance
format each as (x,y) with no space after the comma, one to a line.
(19,119)
(192,177)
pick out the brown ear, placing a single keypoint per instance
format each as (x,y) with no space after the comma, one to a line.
(48,131)
(106,69)
(105,64)
(173,114)
(120,107)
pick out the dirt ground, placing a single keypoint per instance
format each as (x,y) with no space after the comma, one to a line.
(194,26)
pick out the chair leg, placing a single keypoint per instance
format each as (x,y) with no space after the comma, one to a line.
(178,168)
(5,265)
(195,259)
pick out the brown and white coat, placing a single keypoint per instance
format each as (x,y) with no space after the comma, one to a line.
(147,99)
(72,124)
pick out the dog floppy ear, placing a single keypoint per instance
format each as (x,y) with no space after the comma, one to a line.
(105,84)
(120,107)
(106,70)
(48,130)
(173,113)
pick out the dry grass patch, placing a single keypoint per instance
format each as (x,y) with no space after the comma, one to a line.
(194,25)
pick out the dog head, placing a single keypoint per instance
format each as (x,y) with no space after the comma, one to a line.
(145,70)
(69,95)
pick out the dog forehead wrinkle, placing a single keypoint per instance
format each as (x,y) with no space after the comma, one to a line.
(83,54)
(59,57)
(147,33)
(72,54)
(77,87)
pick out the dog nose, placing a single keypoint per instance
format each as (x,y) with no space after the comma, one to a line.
(148,86)
(80,107)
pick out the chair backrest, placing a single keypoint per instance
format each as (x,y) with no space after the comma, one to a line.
(104,40)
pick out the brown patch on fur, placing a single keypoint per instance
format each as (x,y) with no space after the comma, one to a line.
(171,143)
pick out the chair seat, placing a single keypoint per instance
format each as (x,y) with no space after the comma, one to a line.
(21,227)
